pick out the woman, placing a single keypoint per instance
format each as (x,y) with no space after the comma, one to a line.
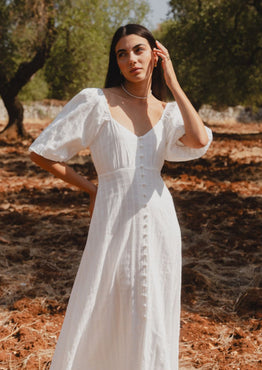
(123,313)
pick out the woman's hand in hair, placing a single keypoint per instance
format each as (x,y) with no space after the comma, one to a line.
(169,73)
(195,132)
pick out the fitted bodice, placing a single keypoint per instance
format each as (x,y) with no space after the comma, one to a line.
(123,149)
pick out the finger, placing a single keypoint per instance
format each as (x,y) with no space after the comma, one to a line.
(161,46)
(163,55)
(162,52)
(155,52)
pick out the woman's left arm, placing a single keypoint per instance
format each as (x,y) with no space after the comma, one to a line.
(195,132)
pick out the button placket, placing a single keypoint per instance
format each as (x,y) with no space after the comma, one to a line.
(144,241)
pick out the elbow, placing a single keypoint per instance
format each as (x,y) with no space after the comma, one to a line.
(196,141)
(199,143)
(203,142)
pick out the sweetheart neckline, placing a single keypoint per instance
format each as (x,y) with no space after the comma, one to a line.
(125,128)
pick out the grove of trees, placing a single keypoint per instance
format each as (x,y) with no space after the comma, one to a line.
(216,47)
(69,37)
(52,49)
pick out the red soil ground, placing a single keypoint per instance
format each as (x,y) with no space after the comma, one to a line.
(218,198)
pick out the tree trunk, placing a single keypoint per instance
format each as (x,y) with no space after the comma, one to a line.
(9,88)
(15,110)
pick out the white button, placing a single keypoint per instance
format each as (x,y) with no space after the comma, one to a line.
(143,185)
(141,166)
(145,305)
(145,217)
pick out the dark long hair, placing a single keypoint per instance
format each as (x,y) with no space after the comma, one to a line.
(115,78)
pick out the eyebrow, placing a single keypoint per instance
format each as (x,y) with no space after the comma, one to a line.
(136,46)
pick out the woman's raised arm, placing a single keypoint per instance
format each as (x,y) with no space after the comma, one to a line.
(195,132)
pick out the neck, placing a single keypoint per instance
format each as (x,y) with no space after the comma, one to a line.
(142,89)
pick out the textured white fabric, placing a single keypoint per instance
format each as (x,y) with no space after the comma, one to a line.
(124,309)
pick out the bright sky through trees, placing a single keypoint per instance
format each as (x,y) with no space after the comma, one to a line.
(159,11)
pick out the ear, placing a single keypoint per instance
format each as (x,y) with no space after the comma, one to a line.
(155,60)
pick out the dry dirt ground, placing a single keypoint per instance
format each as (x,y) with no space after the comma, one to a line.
(43,228)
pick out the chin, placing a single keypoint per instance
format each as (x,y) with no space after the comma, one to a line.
(136,78)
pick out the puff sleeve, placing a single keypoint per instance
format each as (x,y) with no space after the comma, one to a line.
(74,129)
(176,151)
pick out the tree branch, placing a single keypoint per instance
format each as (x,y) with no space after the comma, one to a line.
(26,69)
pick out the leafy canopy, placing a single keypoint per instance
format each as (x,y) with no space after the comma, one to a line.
(216,46)
(79,54)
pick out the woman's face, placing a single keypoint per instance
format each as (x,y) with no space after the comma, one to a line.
(135,58)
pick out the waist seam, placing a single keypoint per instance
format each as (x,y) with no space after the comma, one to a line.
(128,169)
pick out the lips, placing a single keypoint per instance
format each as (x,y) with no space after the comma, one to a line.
(134,70)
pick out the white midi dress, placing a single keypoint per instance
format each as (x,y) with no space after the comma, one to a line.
(124,309)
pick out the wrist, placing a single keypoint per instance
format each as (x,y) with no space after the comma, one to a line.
(92,190)
(89,188)
(171,79)
(175,87)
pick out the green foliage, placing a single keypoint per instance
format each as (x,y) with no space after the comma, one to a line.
(216,46)
(22,25)
(79,56)
(36,89)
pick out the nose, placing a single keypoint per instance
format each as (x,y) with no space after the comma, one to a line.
(132,59)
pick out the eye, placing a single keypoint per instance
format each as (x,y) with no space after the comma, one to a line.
(140,49)
(121,54)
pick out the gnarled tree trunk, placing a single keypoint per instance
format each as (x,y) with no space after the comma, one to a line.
(15,110)
(9,88)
